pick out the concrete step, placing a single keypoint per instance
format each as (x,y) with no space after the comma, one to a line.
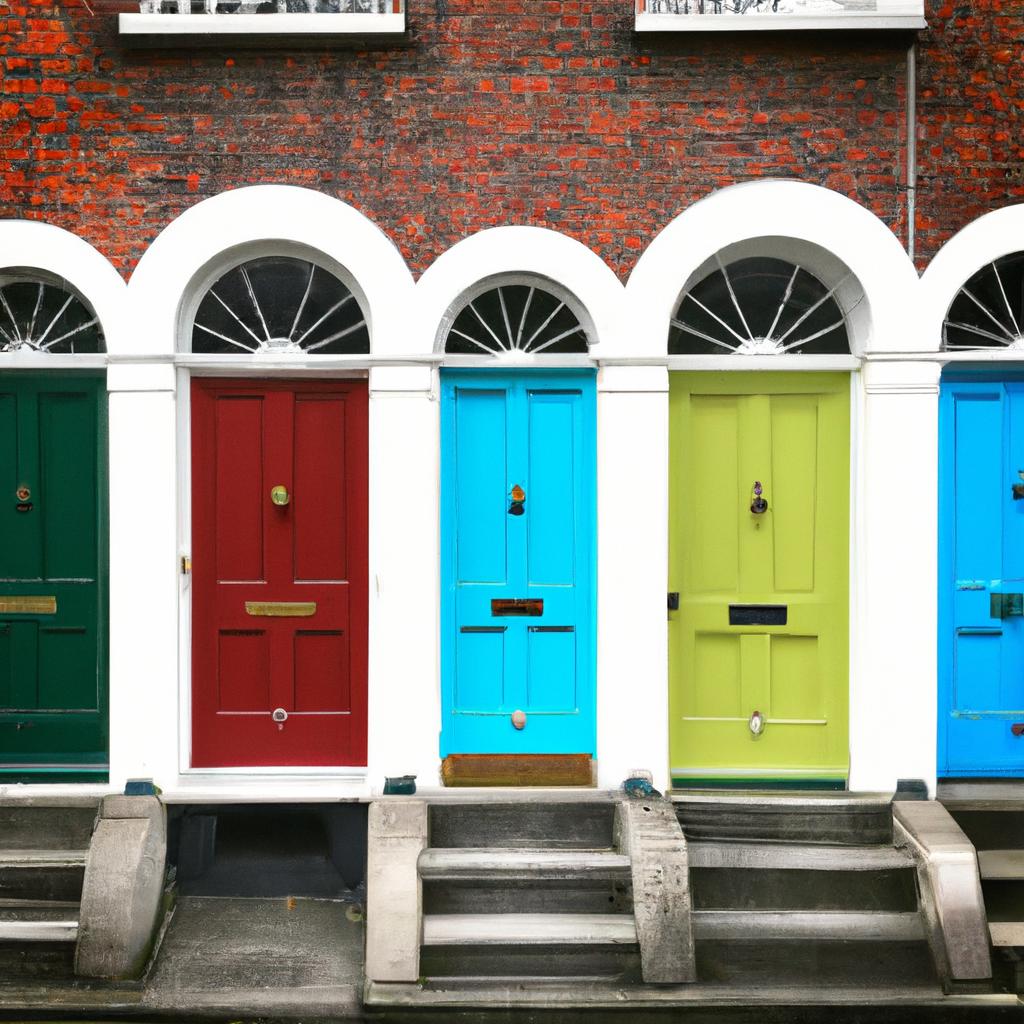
(835,819)
(503,864)
(797,857)
(1006,865)
(53,929)
(64,823)
(528,929)
(1007,933)
(42,874)
(38,910)
(516,824)
(816,926)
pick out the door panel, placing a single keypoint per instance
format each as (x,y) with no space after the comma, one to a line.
(279,590)
(534,431)
(981,654)
(53,674)
(789,432)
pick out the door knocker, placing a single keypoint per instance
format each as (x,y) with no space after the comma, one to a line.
(1018,489)
(517,501)
(758,504)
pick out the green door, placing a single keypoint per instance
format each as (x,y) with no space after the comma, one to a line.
(758,647)
(53,567)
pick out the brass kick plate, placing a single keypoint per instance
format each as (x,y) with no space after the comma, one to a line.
(281,609)
(28,606)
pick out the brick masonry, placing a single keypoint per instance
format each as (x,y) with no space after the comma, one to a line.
(512,112)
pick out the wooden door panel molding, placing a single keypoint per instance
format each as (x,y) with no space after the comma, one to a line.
(518,562)
(280,646)
(53,567)
(789,434)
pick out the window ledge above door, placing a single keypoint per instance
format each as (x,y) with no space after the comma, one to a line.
(195,30)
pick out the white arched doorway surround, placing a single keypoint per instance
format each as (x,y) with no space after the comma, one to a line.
(844,244)
(152,475)
(510,254)
(35,247)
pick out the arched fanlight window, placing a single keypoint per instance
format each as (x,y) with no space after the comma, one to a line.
(988,311)
(280,304)
(759,306)
(42,315)
(516,319)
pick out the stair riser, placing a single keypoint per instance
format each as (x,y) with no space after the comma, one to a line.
(527,897)
(43,912)
(822,964)
(855,826)
(26,827)
(521,825)
(992,830)
(746,889)
(36,962)
(57,883)
(1004,900)
(616,963)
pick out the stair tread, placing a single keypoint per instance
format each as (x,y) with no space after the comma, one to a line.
(492,862)
(860,925)
(50,930)
(528,929)
(1001,864)
(42,858)
(41,910)
(1006,933)
(709,853)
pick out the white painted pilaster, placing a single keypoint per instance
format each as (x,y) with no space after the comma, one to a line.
(632,572)
(892,690)
(404,688)
(143,574)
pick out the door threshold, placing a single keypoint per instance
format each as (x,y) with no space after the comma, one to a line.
(518,770)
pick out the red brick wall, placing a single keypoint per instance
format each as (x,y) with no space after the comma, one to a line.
(970,115)
(549,113)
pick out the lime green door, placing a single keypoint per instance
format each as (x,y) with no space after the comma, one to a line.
(53,679)
(759,555)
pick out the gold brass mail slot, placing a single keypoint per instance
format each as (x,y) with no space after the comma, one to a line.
(525,606)
(28,606)
(281,609)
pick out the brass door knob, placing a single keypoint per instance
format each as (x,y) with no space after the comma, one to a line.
(279,495)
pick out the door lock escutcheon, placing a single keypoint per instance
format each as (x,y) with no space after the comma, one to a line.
(517,501)
(758,503)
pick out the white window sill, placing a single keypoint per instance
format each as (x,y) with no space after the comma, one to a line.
(216,28)
(906,20)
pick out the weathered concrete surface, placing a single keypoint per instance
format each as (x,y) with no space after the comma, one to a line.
(121,894)
(394,891)
(251,957)
(951,897)
(649,833)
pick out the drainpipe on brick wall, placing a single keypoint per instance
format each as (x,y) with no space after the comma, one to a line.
(911,146)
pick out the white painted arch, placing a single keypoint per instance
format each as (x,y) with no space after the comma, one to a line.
(569,268)
(35,246)
(227,229)
(828,233)
(991,236)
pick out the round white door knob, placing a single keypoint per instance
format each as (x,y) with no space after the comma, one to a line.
(519,719)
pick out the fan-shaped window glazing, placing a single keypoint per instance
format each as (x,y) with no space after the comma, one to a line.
(37,315)
(988,311)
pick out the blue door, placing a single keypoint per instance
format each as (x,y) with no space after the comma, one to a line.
(518,553)
(981,573)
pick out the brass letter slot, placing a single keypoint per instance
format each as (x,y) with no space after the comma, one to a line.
(281,609)
(532,606)
(552,629)
(28,606)
(482,629)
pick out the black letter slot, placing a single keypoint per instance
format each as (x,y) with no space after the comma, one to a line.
(758,614)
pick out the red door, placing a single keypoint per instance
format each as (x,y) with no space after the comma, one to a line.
(279,607)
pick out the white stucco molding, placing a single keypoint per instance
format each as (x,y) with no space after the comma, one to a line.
(575,273)
(226,229)
(36,246)
(995,234)
(824,231)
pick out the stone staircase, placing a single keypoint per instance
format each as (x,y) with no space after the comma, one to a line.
(992,816)
(44,843)
(513,890)
(752,898)
(802,889)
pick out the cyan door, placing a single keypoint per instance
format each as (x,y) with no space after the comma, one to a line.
(981,578)
(518,562)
